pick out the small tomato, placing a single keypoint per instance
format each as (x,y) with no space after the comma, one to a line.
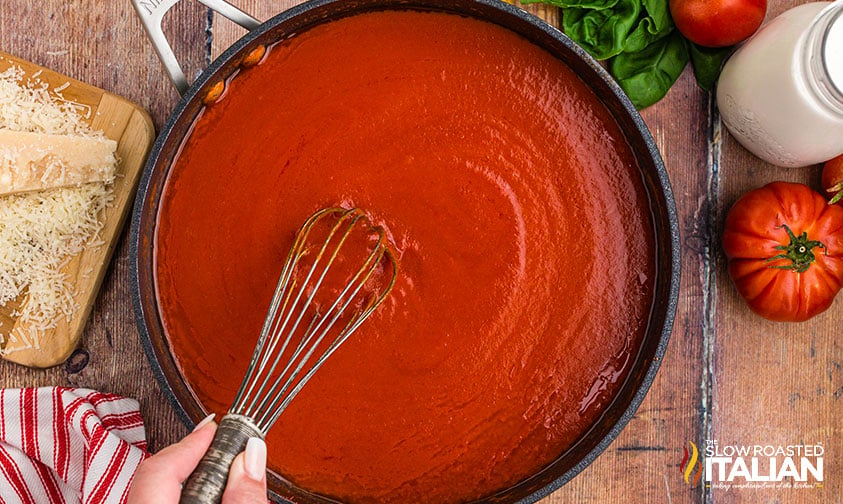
(717,23)
(785,251)
(833,179)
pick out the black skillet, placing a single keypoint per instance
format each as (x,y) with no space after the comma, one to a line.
(299,19)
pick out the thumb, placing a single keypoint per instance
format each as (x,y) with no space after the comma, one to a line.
(247,477)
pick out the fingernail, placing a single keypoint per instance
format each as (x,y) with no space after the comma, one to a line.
(255,460)
(205,421)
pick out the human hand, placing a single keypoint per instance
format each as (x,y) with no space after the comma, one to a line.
(159,478)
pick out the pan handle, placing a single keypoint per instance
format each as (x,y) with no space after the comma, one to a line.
(151,13)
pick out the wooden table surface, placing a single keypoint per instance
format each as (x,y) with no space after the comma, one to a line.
(728,374)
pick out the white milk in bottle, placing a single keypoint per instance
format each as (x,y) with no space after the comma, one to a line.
(781,93)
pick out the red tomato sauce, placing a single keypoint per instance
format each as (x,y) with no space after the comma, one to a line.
(520,223)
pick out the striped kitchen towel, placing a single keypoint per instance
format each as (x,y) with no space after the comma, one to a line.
(68,445)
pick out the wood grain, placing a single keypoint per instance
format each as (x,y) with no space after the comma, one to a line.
(775,383)
(130,126)
(103,44)
(727,375)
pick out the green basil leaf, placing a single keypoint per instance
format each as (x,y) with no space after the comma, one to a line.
(643,35)
(655,23)
(658,11)
(602,32)
(647,75)
(707,62)
(584,4)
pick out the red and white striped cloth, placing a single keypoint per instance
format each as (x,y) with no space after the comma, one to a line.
(66,445)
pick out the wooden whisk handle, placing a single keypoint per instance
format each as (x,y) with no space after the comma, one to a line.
(207,483)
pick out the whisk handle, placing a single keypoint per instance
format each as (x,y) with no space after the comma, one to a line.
(207,483)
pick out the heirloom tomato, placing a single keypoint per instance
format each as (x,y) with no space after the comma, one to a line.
(785,251)
(717,23)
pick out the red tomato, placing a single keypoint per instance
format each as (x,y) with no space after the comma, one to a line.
(833,179)
(785,251)
(717,23)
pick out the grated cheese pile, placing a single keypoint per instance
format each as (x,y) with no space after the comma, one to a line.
(41,231)
(30,107)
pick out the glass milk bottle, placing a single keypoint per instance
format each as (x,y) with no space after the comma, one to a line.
(781,93)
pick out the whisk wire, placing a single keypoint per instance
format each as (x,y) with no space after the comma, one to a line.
(296,253)
(279,399)
(265,406)
(306,339)
(307,343)
(281,288)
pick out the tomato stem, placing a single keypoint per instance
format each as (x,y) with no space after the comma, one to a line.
(837,189)
(800,252)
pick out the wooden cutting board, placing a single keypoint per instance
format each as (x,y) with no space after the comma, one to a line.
(131,127)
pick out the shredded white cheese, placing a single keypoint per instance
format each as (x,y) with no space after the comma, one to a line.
(41,231)
(29,106)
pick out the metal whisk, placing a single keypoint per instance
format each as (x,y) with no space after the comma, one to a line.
(300,332)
